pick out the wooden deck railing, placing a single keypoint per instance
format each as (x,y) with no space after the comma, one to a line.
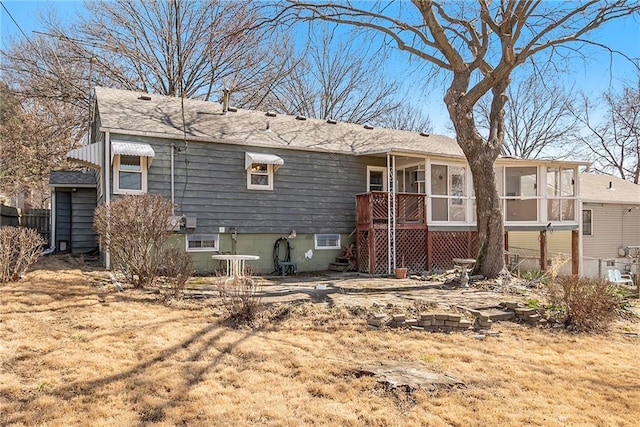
(372,208)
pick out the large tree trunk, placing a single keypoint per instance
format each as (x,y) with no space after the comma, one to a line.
(481,156)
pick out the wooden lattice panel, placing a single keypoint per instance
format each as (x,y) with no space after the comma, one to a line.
(447,245)
(363,251)
(411,249)
(381,255)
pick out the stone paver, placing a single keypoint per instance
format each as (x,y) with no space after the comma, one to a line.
(351,289)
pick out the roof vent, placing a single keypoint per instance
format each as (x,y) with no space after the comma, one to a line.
(424,134)
(232,109)
(368,126)
(299,117)
(145,97)
(332,121)
(270,114)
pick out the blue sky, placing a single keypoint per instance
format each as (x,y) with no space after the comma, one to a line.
(595,75)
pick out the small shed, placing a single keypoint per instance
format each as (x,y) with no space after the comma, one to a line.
(73,201)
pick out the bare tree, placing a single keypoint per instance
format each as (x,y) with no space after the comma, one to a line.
(477,45)
(613,141)
(333,79)
(406,117)
(34,137)
(538,120)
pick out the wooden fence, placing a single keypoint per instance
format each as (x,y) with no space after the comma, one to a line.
(38,219)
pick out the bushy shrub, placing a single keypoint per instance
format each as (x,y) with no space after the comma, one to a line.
(19,248)
(585,304)
(177,269)
(134,230)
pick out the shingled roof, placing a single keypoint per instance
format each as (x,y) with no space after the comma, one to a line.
(137,113)
(66,178)
(600,188)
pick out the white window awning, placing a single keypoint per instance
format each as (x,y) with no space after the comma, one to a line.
(268,159)
(132,149)
(88,155)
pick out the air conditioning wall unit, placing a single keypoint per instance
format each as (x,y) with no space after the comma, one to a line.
(191,222)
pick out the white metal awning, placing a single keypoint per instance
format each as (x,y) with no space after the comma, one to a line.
(88,155)
(132,149)
(269,159)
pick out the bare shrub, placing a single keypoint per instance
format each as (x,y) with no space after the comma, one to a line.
(585,304)
(134,230)
(19,248)
(240,298)
(177,269)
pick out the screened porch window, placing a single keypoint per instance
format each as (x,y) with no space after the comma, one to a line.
(561,194)
(448,194)
(521,193)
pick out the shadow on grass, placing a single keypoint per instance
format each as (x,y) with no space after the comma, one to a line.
(198,344)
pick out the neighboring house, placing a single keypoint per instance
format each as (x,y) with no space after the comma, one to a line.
(242,179)
(610,224)
(610,230)
(73,201)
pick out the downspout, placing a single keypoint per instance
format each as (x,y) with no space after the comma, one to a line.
(173,203)
(107,193)
(52,235)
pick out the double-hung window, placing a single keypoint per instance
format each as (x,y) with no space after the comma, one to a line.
(260,177)
(260,169)
(131,161)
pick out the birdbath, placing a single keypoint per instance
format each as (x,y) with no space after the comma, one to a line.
(464,263)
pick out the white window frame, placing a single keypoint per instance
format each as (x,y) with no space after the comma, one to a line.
(384,177)
(514,197)
(269,175)
(116,176)
(563,199)
(452,199)
(319,247)
(210,236)
(582,221)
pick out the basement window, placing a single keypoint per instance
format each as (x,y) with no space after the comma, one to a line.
(202,242)
(327,241)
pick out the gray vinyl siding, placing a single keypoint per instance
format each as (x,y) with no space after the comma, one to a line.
(63,217)
(313,192)
(614,226)
(83,204)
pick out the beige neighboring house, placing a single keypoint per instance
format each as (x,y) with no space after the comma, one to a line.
(609,236)
(610,224)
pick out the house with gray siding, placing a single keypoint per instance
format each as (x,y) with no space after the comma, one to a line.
(242,179)
(73,201)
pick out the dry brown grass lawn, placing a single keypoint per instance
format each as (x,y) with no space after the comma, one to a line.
(76,353)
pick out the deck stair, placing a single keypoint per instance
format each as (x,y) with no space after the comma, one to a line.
(345,262)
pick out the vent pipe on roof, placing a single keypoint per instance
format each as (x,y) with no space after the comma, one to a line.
(225,100)
(368,126)
(610,185)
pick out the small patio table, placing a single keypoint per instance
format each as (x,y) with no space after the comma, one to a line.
(235,263)
(464,263)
